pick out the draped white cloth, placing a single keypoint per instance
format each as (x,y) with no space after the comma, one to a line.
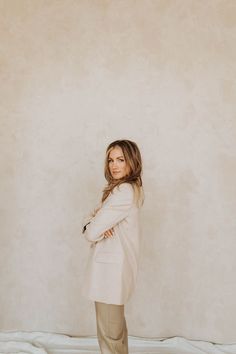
(52,343)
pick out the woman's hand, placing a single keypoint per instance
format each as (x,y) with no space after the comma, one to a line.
(109,233)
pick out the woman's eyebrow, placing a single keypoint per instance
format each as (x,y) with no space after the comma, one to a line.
(116,157)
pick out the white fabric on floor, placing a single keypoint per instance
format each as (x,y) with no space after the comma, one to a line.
(51,343)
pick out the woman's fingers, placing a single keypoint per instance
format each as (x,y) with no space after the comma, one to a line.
(109,233)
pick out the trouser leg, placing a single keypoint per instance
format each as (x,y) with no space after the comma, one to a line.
(111,328)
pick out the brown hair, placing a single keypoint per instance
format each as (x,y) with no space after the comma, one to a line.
(133,159)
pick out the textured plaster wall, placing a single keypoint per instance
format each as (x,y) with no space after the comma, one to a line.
(76,75)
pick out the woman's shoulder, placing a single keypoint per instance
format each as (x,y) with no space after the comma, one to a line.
(131,192)
(125,186)
(124,191)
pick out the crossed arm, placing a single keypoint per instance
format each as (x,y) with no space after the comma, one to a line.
(115,208)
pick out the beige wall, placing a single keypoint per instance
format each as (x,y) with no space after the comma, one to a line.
(76,75)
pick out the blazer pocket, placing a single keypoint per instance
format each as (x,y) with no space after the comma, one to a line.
(108,257)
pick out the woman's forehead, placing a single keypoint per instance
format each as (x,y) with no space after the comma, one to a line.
(116,151)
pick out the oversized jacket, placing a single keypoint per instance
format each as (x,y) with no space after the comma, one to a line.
(112,266)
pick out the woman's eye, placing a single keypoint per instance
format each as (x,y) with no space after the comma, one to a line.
(119,160)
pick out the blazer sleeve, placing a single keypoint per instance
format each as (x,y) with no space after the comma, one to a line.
(86,218)
(115,208)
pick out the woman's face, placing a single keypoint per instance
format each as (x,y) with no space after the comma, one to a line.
(117,164)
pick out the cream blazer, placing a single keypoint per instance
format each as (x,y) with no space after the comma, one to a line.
(112,266)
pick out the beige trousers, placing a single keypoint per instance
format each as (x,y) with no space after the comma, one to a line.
(111,328)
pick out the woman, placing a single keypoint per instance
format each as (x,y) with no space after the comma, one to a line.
(113,231)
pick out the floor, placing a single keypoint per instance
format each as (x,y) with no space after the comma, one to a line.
(52,343)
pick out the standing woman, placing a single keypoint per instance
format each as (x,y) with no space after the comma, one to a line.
(113,232)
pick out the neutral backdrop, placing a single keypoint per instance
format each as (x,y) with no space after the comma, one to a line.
(76,75)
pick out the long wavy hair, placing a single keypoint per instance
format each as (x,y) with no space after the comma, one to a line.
(134,161)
